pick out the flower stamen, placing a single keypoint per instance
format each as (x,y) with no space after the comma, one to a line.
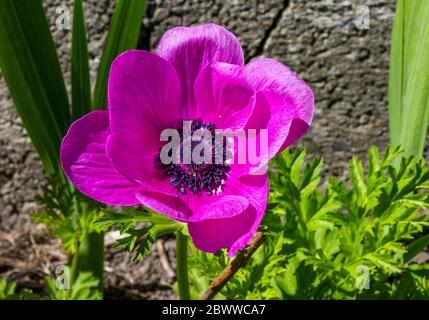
(200,177)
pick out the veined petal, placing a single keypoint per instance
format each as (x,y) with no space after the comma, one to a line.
(147,172)
(223,96)
(190,49)
(273,112)
(265,73)
(86,163)
(171,206)
(234,231)
(213,235)
(217,207)
(144,97)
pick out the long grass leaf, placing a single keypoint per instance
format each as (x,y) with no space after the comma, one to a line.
(409,76)
(123,35)
(30,66)
(415,113)
(396,80)
(81,89)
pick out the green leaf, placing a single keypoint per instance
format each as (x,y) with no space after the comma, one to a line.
(416,247)
(138,240)
(409,77)
(132,216)
(287,282)
(373,159)
(123,35)
(86,287)
(32,72)
(357,178)
(81,89)
(317,247)
(296,166)
(384,261)
(7,289)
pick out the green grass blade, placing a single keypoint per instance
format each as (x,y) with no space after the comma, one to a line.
(396,80)
(81,89)
(415,114)
(123,35)
(409,76)
(29,64)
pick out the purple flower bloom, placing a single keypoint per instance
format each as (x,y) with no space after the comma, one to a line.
(196,74)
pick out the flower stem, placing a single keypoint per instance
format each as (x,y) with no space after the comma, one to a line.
(91,256)
(74,265)
(182,265)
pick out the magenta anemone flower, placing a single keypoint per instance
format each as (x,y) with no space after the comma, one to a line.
(196,74)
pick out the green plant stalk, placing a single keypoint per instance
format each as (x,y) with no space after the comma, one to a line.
(74,265)
(73,261)
(91,255)
(182,266)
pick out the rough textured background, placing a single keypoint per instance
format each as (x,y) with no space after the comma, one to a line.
(347,68)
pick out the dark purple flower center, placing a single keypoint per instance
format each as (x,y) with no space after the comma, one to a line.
(209,176)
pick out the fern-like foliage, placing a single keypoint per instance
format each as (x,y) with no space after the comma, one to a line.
(338,239)
(138,228)
(8,291)
(68,214)
(86,287)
